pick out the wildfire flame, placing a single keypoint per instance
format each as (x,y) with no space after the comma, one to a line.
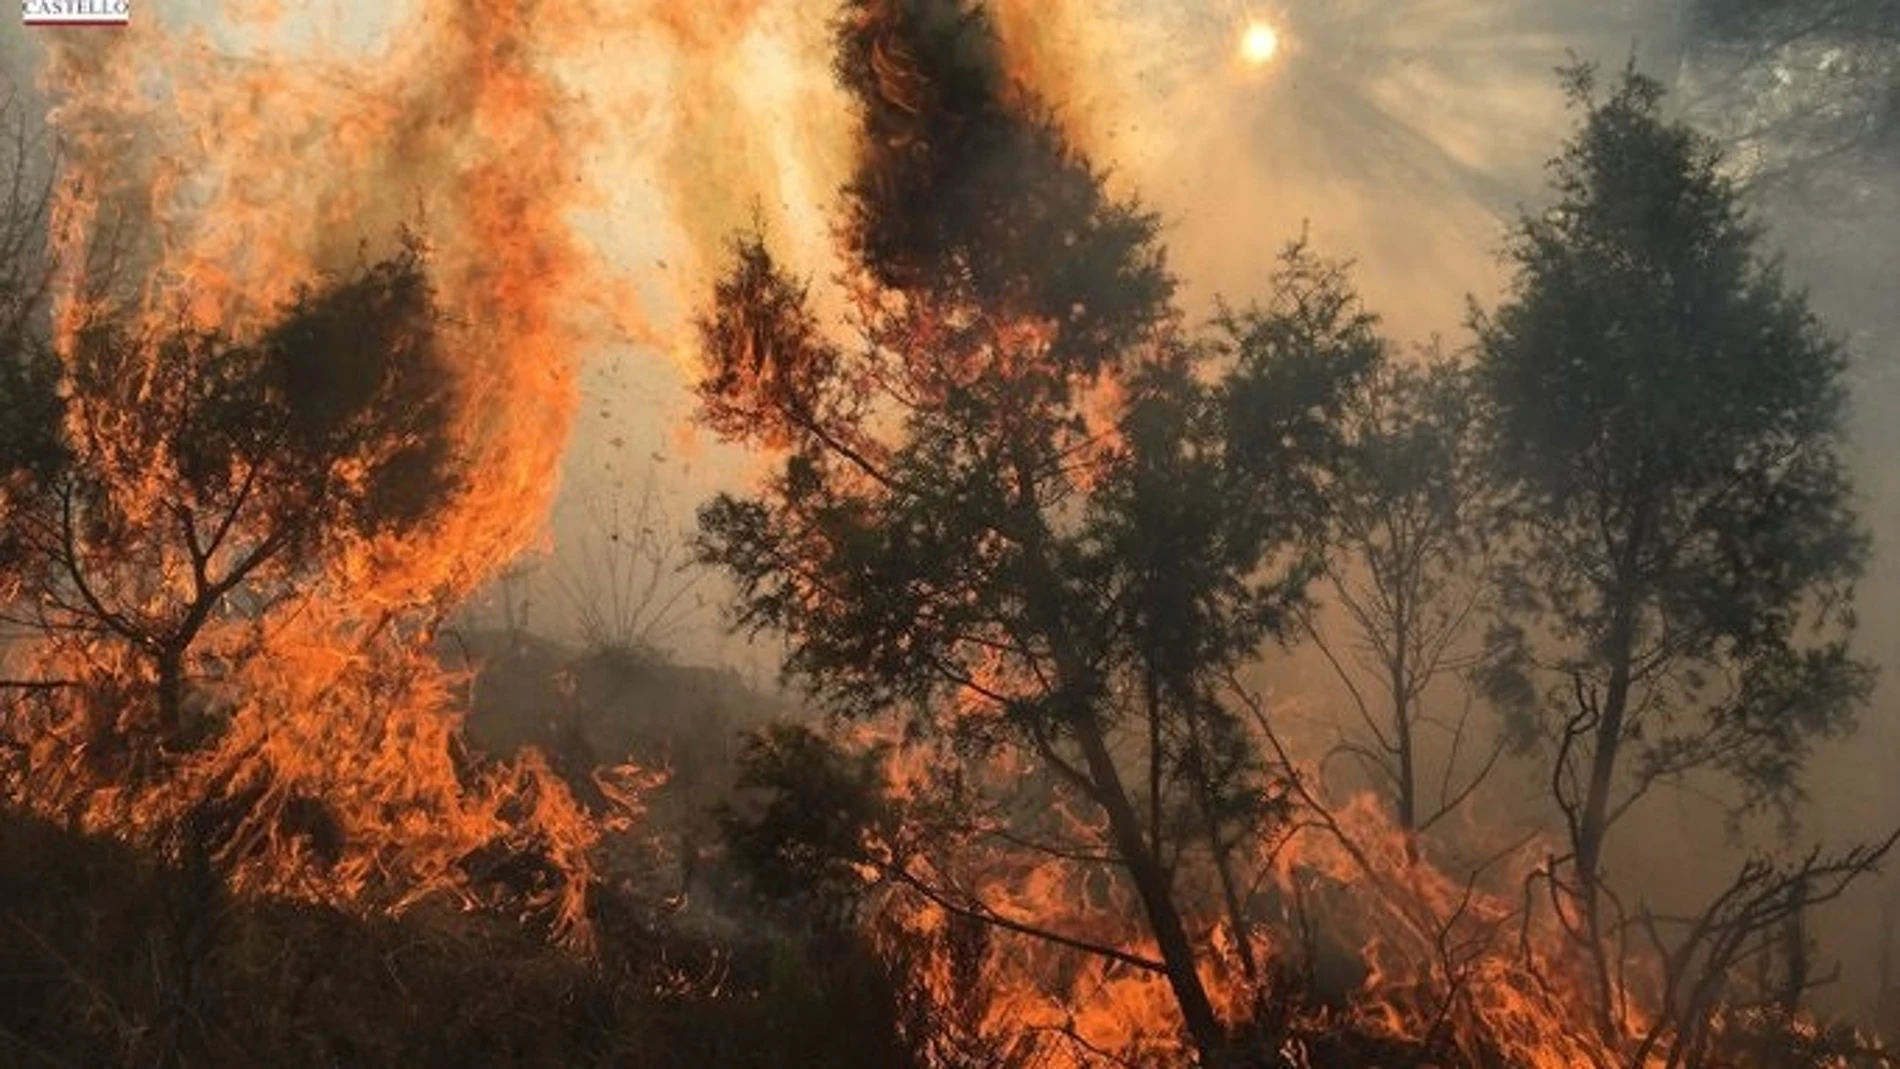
(177,212)
(1429,960)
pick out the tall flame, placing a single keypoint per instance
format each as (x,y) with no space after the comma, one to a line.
(553,156)
(199,192)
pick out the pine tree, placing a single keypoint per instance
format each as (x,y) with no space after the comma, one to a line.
(1668,425)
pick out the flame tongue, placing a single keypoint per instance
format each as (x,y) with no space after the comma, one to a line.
(206,176)
(250,179)
(205,206)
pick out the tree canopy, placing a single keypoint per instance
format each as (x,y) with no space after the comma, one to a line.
(1015,499)
(1667,421)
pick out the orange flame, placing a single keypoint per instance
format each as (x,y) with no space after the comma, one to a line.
(337,775)
(1459,965)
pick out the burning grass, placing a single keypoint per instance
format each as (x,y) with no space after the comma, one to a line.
(1361,948)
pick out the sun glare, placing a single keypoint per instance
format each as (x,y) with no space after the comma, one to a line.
(1258,44)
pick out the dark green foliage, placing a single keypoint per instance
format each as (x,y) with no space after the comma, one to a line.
(1297,365)
(31,450)
(1199,533)
(1667,432)
(30,446)
(1668,416)
(859,548)
(964,184)
(1201,521)
(804,818)
(352,375)
(358,371)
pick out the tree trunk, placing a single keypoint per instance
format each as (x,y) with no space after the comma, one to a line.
(1222,853)
(1402,737)
(1074,682)
(1593,825)
(1402,712)
(1799,964)
(1607,739)
(171,693)
(1157,896)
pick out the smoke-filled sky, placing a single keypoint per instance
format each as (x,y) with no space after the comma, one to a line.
(1399,135)
(1402,135)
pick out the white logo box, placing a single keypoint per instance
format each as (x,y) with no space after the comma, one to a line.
(75,12)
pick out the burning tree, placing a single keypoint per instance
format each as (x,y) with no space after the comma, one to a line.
(262,499)
(1668,429)
(1019,510)
(192,514)
(206,478)
(1013,506)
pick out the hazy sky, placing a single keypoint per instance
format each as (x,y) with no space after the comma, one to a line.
(1400,133)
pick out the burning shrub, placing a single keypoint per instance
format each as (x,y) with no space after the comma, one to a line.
(190,573)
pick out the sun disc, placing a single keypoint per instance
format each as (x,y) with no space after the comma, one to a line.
(1259,43)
